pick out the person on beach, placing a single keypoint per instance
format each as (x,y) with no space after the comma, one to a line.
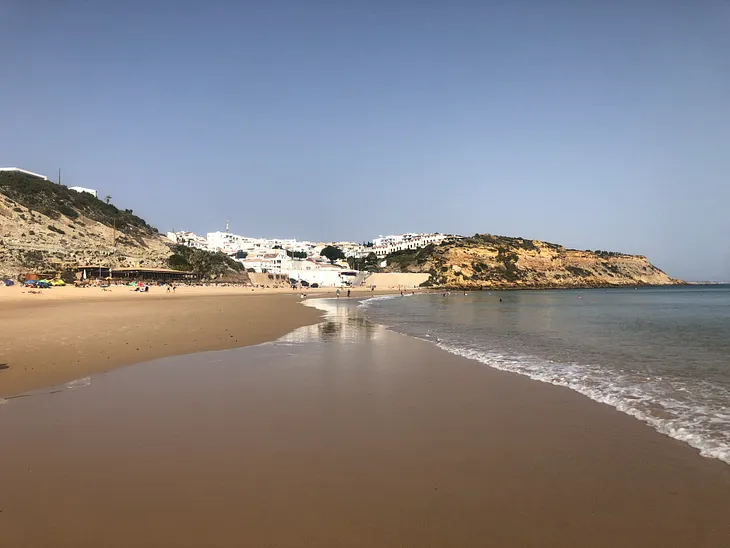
(348,292)
(338,293)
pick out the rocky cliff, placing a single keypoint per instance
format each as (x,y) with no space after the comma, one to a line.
(486,261)
(47,228)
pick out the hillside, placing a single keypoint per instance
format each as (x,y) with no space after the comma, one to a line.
(48,228)
(485,261)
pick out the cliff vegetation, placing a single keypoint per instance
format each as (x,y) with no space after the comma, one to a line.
(485,261)
(49,228)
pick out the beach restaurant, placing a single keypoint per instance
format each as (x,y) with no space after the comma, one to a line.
(133,273)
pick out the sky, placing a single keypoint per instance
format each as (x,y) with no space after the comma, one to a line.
(592,124)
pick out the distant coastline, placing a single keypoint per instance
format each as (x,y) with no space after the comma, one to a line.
(679,283)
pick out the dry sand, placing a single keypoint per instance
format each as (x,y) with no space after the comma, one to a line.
(67,333)
(361,438)
(64,333)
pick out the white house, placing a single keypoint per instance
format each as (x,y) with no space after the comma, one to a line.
(229,243)
(25,172)
(273,263)
(385,245)
(82,189)
(189,239)
(325,278)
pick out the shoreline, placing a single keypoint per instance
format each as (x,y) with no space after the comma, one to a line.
(555,288)
(52,341)
(704,443)
(688,439)
(66,333)
(345,434)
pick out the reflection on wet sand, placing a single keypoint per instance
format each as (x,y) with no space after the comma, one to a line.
(343,322)
(343,434)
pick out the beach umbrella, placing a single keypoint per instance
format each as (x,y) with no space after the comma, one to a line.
(83,276)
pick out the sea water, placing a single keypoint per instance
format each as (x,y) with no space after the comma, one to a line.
(659,354)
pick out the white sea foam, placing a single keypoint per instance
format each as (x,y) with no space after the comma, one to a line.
(371,300)
(79,383)
(699,421)
(687,409)
(3,401)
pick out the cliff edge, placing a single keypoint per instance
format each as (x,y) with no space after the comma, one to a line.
(49,229)
(485,261)
(46,227)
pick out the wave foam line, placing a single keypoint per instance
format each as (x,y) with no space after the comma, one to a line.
(686,422)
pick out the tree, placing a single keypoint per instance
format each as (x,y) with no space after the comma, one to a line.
(108,199)
(201,264)
(371,261)
(204,264)
(178,262)
(332,253)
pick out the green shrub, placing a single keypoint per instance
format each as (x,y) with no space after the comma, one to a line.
(55,200)
(580,272)
(203,263)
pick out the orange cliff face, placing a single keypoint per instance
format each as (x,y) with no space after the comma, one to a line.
(487,261)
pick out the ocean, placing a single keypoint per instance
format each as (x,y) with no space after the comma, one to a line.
(659,354)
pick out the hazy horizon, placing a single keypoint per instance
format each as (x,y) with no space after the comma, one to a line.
(594,127)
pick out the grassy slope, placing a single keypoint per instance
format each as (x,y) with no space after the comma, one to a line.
(55,200)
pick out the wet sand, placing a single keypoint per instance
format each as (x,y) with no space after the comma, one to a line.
(67,333)
(344,434)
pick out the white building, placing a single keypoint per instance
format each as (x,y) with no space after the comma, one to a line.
(352,249)
(189,239)
(322,273)
(227,242)
(257,249)
(325,278)
(82,189)
(385,245)
(23,171)
(272,263)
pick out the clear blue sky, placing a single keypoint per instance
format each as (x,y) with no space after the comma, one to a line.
(594,124)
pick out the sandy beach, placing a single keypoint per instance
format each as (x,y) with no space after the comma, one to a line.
(67,333)
(344,434)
